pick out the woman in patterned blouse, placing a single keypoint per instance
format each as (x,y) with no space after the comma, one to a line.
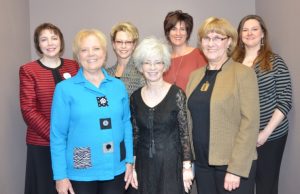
(124,37)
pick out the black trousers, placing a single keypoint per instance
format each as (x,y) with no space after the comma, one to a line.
(210,180)
(39,176)
(115,186)
(131,190)
(268,166)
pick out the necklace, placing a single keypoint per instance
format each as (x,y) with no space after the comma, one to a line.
(204,87)
(177,71)
(211,75)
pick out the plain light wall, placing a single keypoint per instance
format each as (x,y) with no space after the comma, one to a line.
(14,50)
(282,20)
(148,16)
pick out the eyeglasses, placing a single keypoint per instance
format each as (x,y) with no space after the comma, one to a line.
(215,40)
(120,43)
(149,63)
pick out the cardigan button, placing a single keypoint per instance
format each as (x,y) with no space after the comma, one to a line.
(108,147)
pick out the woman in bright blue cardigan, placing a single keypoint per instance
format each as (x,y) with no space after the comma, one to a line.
(91,132)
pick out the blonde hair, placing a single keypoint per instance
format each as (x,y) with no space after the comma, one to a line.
(84,33)
(219,26)
(125,27)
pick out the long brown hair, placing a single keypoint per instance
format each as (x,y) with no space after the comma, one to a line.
(265,52)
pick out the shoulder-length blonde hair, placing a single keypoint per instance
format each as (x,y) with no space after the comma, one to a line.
(219,26)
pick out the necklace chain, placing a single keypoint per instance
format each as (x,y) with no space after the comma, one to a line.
(177,71)
(206,85)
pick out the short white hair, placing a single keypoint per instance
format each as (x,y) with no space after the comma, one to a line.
(152,48)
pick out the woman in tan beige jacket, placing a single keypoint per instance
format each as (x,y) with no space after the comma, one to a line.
(224,114)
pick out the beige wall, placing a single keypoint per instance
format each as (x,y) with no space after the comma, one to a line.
(14,50)
(282,19)
(148,16)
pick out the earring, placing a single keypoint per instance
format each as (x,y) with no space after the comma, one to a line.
(262,42)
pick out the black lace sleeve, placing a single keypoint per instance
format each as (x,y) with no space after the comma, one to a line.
(134,124)
(183,126)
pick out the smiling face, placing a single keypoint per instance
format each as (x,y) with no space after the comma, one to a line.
(214,47)
(123,45)
(49,43)
(153,70)
(91,54)
(252,33)
(178,34)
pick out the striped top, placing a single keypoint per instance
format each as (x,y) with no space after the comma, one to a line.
(37,83)
(275,91)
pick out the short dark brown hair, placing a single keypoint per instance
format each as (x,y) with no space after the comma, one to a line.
(56,31)
(173,17)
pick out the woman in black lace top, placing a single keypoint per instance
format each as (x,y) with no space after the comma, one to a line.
(161,140)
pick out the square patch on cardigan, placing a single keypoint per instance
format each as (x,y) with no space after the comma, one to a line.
(82,157)
(102,101)
(105,123)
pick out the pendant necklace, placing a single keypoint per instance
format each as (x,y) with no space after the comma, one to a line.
(204,87)
(177,71)
(206,84)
